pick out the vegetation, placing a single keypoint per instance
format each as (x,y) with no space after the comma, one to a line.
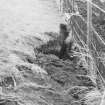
(36,76)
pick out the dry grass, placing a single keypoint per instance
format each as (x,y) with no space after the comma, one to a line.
(36,76)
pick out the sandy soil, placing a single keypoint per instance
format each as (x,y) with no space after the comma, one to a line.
(28,16)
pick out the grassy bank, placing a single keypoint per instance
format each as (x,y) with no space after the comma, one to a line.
(31,73)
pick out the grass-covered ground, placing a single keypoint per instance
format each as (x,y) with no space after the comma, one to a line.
(31,72)
(39,77)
